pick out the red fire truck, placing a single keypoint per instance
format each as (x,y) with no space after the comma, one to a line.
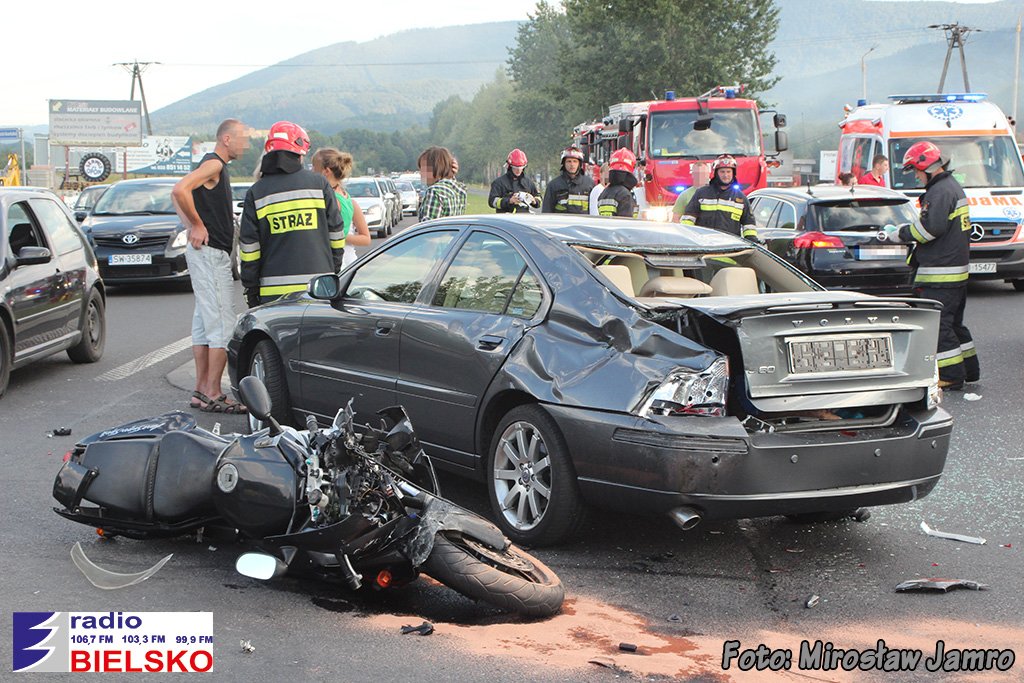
(668,135)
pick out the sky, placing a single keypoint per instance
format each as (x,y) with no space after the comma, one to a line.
(68,50)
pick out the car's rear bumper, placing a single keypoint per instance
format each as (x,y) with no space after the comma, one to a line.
(715,466)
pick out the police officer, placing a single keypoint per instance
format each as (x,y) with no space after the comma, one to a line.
(617,199)
(570,191)
(513,191)
(942,255)
(721,203)
(291,227)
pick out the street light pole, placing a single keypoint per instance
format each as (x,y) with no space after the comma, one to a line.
(864,73)
(1016,70)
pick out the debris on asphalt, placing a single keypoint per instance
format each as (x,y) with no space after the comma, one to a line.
(943,585)
(972,397)
(212,548)
(424,629)
(606,662)
(675,618)
(812,601)
(862,515)
(247,647)
(627,647)
(977,540)
(106,579)
(794,550)
(1005,545)
(60,431)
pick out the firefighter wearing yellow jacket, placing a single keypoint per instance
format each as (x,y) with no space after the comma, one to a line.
(291,229)
(721,203)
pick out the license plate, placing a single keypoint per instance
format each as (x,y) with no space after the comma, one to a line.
(130,259)
(840,353)
(881,253)
(976,267)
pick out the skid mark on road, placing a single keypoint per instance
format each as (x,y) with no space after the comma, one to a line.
(143,362)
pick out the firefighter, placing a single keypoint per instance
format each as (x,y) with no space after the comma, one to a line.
(942,255)
(721,203)
(291,226)
(513,191)
(570,191)
(617,199)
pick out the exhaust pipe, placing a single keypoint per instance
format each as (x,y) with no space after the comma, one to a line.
(685,517)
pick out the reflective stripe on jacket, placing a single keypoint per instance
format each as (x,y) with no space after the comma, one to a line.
(568,194)
(943,237)
(723,208)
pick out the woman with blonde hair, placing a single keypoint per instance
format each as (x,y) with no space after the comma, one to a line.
(336,165)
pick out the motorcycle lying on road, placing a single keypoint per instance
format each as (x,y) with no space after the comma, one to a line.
(360,507)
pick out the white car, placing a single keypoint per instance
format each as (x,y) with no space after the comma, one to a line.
(410,197)
(368,194)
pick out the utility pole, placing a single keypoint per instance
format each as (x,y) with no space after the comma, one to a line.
(136,68)
(955,38)
(864,74)
(1016,71)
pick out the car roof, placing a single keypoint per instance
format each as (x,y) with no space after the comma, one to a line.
(615,234)
(147,181)
(829,193)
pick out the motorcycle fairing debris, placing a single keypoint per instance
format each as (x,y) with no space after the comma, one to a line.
(106,579)
(977,540)
(943,585)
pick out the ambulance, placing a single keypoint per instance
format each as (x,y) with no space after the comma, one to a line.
(984,157)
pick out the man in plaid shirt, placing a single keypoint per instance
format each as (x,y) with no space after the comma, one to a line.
(445,196)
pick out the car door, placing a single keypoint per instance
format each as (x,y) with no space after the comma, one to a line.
(68,248)
(33,291)
(452,347)
(349,347)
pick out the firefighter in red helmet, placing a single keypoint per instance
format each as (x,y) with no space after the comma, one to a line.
(513,191)
(721,203)
(942,242)
(570,191)
(617,199)
(291,228)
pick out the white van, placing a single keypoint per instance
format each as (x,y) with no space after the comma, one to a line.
(984,158)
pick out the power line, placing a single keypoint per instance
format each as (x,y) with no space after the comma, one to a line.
(335,64)
(136,68)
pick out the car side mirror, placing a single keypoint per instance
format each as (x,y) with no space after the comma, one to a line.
(780,120)
(30,256)
(625,125)
(781,141)
(325,287)
(81,215)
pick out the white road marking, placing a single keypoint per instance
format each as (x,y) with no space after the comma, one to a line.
(143,362)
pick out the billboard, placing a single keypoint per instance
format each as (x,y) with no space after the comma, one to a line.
(158,155)
(115,123)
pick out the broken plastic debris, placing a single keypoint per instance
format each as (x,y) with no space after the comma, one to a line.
(627,647)
(794,550)
(675,618)
(106,579)
(943,585)
(972,397)
(952,537)
(1006,545)
(247,647)
(424,629)
(812,601)
(212,548)
(60,431)
(606,662)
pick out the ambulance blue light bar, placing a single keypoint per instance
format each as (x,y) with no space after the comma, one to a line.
(939,97)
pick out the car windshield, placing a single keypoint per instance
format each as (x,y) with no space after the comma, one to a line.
(862,214)
(732,131)
(131,198)
(238,192)
(364,188)
(88,198)
(405,187)
(983,161)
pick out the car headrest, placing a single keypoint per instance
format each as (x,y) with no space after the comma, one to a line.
(734,281)
(671,285)
(620,277)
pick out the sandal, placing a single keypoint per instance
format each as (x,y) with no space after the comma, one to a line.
(222,405)
(201,397)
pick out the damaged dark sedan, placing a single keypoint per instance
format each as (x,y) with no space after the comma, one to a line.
(576,361)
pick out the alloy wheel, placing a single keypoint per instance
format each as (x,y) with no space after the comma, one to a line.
(522,475)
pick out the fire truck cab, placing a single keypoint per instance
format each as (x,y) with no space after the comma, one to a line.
(978,140)
(668,135)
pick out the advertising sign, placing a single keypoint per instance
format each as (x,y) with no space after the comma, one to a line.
(829,159)
(159,155)
(113,123)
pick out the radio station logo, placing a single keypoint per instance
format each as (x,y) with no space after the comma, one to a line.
(41,641)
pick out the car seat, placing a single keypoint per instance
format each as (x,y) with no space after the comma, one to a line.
(620,277)
(637,269)
(734,281)
(673,285)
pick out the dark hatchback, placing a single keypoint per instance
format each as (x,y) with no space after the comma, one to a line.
(574,361)
(136,233)
(831,233)
(51,296)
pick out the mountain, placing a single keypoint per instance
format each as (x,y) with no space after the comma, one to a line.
(380,84)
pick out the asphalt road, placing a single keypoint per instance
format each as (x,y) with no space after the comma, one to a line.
(677,596)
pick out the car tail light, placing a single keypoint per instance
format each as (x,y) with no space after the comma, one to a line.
(691,392)
(817,240)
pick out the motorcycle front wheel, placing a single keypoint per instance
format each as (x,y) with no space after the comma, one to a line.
(511,579)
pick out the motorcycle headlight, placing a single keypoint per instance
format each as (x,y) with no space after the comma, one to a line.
(691,392)
(180,240)
(934,396)
(662,214)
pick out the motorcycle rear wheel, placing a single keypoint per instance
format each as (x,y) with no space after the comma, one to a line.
(512,579)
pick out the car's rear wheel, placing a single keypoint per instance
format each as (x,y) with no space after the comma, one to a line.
(532,484)
(266,366)
(5,358)
(89,349)
(1018,285)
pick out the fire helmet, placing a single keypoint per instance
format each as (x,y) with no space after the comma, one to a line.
(723,161)
(923,156)
(622,160)
(516,157)
(572,153)
(287,136)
